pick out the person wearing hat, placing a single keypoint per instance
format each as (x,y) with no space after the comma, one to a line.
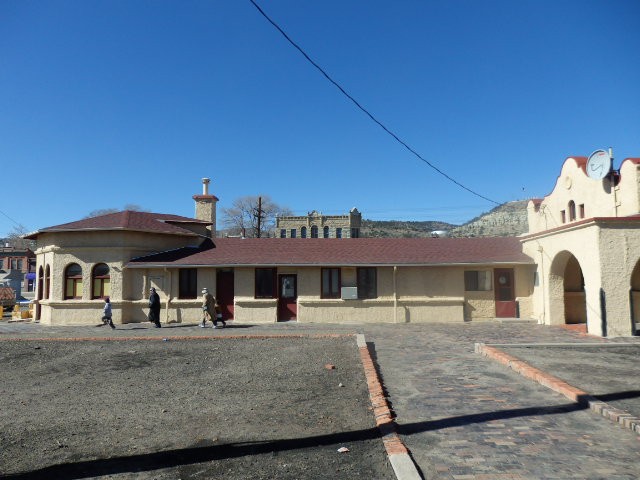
(154,307)
(210,309)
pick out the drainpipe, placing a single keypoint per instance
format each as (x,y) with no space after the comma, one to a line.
(603,312)
(543,285)
(395,295)
(166,313)
(633,318)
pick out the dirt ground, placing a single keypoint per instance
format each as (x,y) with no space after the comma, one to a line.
(187,409)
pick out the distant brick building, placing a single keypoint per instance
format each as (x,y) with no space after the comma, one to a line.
(20,261)
(317,225)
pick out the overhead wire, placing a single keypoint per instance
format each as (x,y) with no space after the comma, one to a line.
(364,110)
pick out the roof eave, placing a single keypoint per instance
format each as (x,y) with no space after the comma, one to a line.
(324,265)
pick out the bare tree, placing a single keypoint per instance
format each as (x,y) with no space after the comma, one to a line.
(105,211)
(252,216)
(15,240)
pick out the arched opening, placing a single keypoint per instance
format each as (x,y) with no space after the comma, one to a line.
(40,288)
(40,283)
(47,282)
(303,232)
(572,211)
(325,232)
(101,281)
(567,298)
(72,281)
(314,231)
(575,306)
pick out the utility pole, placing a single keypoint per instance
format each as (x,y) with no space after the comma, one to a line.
(259,215)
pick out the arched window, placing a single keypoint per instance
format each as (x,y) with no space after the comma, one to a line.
(572,211)
(101,282)
(325,232)
(47,282)
(40,283)
(303,232)
(314,231)
(73,281)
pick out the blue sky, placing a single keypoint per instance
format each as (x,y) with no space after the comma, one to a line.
(108,103)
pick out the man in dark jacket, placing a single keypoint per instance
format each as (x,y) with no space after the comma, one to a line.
(154,308)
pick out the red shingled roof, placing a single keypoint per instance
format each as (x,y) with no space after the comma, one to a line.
(344,252)
(128,220)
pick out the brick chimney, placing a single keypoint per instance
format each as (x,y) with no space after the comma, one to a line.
(206,206)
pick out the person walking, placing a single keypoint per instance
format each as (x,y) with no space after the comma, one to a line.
(154,307)
(210,309)
(106,313)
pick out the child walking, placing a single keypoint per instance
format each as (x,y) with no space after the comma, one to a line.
(106,317)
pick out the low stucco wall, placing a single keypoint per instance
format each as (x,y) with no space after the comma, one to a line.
(255,310)
(414,310)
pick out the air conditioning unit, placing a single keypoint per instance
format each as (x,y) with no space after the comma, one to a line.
(349,293)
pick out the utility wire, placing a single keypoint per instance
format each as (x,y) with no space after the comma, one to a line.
(18,224)
(364,110)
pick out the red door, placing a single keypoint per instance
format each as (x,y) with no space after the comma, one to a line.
(287,297)
(225,293)
(504,293)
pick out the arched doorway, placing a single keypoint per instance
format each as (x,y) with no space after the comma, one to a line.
(567,299)
(575,303)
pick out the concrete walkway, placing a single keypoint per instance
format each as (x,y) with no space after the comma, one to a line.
(465,416)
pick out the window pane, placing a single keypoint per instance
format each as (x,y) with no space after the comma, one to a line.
(101,270)
(74,270)
(471,281)
(367,282)
(293,233)
(69,288)
(106,287)
(303,232)
(265,282)
(484,281)
(188,283)
(96,288)
(335,282)
(330,283)
(78,288)
(326,282)
(325,232)
(475,280)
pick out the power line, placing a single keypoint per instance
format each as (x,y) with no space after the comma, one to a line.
(364,110)
(18,224)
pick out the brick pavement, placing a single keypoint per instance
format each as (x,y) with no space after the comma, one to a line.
(461,415)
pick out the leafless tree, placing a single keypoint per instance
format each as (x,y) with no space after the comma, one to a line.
(246,213)
(105,211)
(15,240)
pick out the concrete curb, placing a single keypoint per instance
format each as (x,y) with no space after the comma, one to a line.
(401,461)
(622,418)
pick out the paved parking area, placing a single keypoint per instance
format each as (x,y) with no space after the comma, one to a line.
(464,416)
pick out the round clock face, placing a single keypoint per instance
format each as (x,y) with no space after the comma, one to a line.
(598,165)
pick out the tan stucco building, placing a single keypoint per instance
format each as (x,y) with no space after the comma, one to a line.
(585,239)
(577,264)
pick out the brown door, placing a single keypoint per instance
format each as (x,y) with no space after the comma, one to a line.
(287,297)
(225,293)
(505,295)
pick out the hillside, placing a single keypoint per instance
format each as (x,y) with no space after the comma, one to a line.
(398,229)
(505,220)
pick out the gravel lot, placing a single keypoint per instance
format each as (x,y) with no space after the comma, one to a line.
(259,408)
